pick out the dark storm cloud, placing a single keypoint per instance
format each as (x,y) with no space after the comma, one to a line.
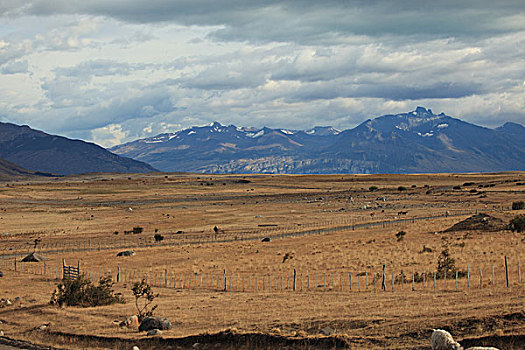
(304,21)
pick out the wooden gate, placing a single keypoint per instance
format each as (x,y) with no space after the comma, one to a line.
(70,272)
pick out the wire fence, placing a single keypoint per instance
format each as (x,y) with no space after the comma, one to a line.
(271,232)
(382,280)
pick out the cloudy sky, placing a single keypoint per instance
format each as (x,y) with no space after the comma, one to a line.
(111,71)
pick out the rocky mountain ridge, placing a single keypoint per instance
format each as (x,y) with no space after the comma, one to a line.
(415,142)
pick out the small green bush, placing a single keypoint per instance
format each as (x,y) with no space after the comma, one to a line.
(137,229)
(82,292)
(517,224)
(456,188)
(372,188)
(518,205)
(401,188)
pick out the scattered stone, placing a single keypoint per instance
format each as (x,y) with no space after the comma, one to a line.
(126,253)
(150,323)
(131,322)
(1,333)
(154,332)
(135,348)
(43,327)
(196,345)
(328,331)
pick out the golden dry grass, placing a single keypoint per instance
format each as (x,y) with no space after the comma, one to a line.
(76,212)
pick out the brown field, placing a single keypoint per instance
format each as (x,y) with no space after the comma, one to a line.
(76,219)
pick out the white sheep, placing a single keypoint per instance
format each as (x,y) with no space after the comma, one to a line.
(442,340)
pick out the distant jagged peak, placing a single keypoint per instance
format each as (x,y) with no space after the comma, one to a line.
(422,112)
(323,131)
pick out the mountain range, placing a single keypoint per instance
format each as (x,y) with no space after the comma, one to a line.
(43,153)
(415,142)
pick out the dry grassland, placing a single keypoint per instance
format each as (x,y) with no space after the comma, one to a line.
(76,219)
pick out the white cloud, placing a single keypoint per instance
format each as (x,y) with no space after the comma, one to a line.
(114,71)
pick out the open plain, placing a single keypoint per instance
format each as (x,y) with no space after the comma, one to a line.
(222,287)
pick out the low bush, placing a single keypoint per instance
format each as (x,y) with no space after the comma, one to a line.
(372,188)
(518,205)
(400,235)
(517,224)
(82,292)
(401,188)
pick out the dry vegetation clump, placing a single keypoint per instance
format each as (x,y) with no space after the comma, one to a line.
(81,292)
(517,224)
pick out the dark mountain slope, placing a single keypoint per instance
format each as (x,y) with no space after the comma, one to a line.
(38,151)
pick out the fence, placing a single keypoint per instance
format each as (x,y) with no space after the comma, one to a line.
(233,236)
(70,272)
(382,280)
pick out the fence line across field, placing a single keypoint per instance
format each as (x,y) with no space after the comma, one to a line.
(294,281)
(234,236)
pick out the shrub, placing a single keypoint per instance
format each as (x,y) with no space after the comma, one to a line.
(517,224)
(137,229)
(144,297)
(456,188)
(446,264)
(372,188)
(518,205)
(468,184)
(401,188)
(158,237)
(82,292)
(400,235)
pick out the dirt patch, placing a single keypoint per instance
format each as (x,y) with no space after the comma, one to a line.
(479,222)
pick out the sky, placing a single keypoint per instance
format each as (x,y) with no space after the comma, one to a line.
(111,71)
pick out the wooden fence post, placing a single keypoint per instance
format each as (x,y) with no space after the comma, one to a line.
(519,272)
(456,281)
(434,281)
(445,274)
(383,282)
(480,278)
(350,280)
(225,280)
(493,276)
(118,274)
(468,276)
(506,273)
(392,282)
(294,277)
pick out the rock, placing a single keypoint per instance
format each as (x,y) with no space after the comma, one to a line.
(135,348)
(266,239)
(1,274)
(1,333)
(154,332)
(131,322)
(150,323)
(328,331)
(43,327)
(126,253)
(482,348)
(196,345)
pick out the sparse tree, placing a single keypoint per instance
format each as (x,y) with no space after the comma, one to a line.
(144,297)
